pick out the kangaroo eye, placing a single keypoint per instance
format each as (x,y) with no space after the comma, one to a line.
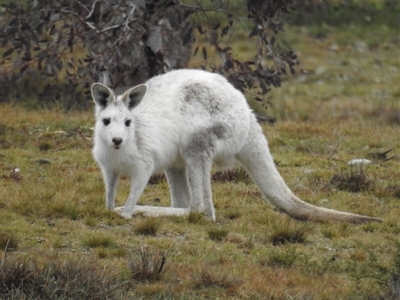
(128,123)
(106,121)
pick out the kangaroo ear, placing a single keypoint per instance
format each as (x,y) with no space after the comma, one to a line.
(102,95)
(133,96)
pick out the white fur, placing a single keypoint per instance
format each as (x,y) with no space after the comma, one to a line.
(180,123)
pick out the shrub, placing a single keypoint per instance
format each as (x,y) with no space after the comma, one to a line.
(329,233)
(156,179)
(147,227)
(281,258)
(242,242)
(23,278)
(147,265)
(217,234)
(285,232)
(209,278)
(353,182)
(232,215)
(8,241)
(391,190)
(98,240)
(236,175)
(195,217)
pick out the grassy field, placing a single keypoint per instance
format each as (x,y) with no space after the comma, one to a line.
(58,242)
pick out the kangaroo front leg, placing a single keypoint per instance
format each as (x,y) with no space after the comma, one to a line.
(138,183)
(199,173)
(111,181)
(179,187)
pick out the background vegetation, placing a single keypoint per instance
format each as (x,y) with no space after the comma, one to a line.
(65,45)
(58,242)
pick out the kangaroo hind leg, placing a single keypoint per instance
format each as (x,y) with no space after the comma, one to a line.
(199,175)
(179,187)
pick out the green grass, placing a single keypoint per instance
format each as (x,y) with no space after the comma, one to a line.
(148,226)
(217,234)
(97,240)
(343,103)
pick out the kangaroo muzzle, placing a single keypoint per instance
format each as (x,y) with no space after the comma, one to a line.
(117,142)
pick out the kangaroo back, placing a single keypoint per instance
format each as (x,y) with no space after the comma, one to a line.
(257,160)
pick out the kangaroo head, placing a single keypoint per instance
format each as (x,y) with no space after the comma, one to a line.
(114,114)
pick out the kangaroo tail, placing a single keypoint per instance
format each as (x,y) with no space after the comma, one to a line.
(257,160)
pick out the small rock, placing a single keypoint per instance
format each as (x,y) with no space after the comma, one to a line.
(359,161)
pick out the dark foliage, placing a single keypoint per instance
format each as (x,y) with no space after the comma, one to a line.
(236,175)
(266,21)
(56,49)
(156,179)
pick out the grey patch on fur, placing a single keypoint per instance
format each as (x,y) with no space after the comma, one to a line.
(218,130)
(204,141)
(202,95)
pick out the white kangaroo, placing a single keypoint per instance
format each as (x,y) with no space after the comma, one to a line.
(181,123)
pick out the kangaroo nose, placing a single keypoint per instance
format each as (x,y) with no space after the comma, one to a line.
(117,141)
